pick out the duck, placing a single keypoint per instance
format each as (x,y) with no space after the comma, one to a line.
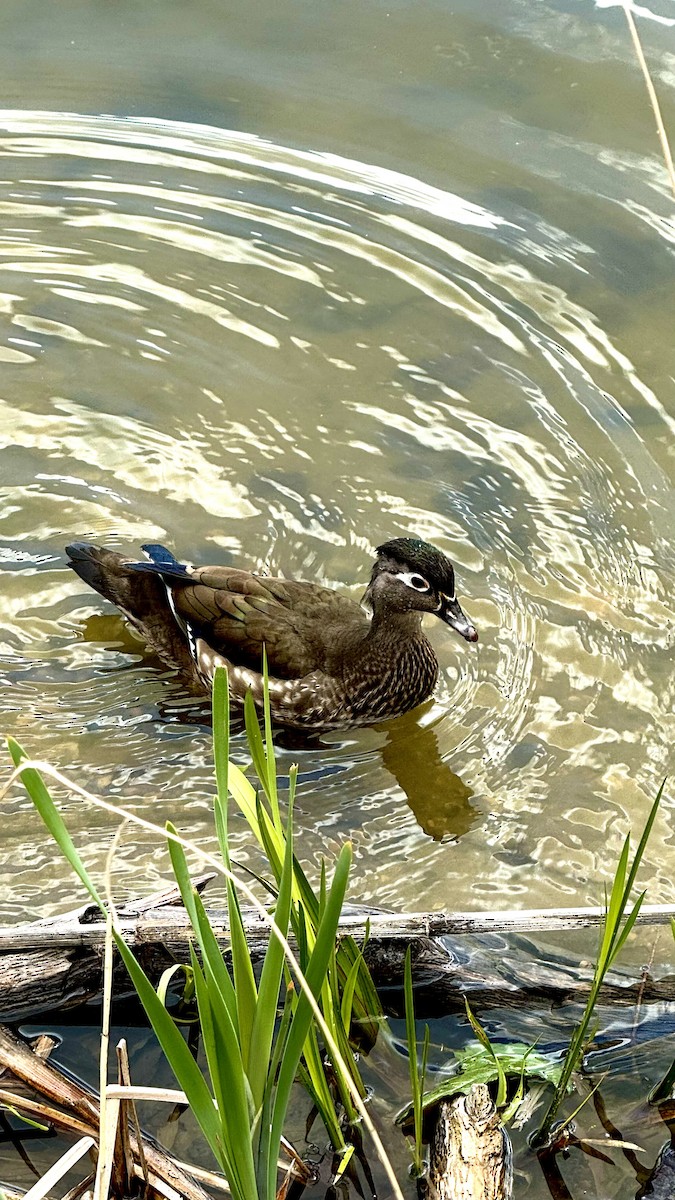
(332,663)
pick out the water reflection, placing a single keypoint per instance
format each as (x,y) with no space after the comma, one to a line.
(439,799)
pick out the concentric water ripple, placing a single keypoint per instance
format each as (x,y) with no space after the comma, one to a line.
(283,357)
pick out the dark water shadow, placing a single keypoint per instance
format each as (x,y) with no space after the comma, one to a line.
(439,798)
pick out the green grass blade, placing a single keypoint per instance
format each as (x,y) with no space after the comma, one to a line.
(411,1038)
(187,994)
(266,1172)
(305,893)
(315,974)
(214,962)
(245,989)
(244,795)
(229,1084)
(348,990)
(226,1011)
(342,1166)
(41,797)
(612,941)
(292,783)
(273,795)
(417,1071)
(229,1061)
(487,1045)
(220,710)
(271,976)
(330,1007)
(194,906)
(366,1006)
(419,1127)
(182,873)
(322,888)
(331,988)
(272,840)
(320,1091)
(624,883)
(627,927)
(299,922)
(183,1065)
(512,1108)
(169,1037)
(664,1088)
(615,907)
(255,743)
(208,1038)
(646,832)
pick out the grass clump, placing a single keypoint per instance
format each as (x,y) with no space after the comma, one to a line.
(297,1017)
(613,934)
(253,1046)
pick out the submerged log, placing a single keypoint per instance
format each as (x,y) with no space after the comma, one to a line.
(470,1151)
(73,929)
(44,965)
(57,963)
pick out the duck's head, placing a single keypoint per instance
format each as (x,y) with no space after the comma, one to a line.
(410,575)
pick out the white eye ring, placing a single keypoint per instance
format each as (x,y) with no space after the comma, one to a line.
(414,580)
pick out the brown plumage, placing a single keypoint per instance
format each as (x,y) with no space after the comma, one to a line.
(330,666)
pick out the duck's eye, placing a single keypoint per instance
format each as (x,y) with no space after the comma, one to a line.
(417,582)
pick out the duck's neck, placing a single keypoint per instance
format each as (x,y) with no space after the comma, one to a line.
(393,668)
(396,627)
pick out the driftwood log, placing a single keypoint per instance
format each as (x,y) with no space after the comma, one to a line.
(56,964)
(470,1156)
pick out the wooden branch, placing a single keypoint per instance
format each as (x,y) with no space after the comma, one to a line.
(83,928)
(74,1109)
(56,963)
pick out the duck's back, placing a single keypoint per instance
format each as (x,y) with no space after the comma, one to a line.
(303,626)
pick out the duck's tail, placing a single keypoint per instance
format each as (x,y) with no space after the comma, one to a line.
(139,591)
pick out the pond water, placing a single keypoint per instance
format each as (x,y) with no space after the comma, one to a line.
(598,1168)
(280,282)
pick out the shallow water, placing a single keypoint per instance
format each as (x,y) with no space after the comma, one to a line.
(633,1046)
(321,277)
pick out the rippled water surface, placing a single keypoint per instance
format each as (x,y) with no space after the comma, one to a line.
(324,276)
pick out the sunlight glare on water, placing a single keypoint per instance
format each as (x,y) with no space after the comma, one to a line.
(281,357)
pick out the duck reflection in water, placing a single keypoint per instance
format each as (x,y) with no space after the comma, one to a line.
(439,799)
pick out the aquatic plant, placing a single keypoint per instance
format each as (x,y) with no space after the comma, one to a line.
(253,1057)
(417,1069)
(613,934)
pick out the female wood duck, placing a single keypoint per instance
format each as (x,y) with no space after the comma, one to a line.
(330,666)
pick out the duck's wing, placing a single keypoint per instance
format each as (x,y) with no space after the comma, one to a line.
(233,612)
(236,613)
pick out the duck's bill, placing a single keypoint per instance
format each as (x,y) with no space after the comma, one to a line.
(451,613)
